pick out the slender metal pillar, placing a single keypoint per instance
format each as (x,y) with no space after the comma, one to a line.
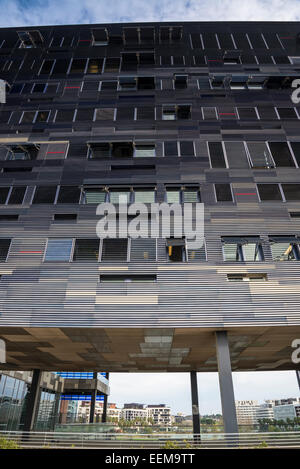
(93,399)
(226,384)
(298,377)
(105,402)
(195,403)
(32,402)
(93,405)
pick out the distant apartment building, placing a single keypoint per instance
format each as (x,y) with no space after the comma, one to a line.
(246,412)
(160,414)
(265,411)
(287,408)
(133,411)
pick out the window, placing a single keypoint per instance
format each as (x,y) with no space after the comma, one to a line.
(196,255)
(61,67)
(170,148)
(68,195)
(100,37)
(125,113)
(144,195)
(112,64)
(64,115)
(38,88)
(176,249)
(173,195)
(259,277)
(236,155)
(291,191)
(216,153)
(296,150)
(116,194)
(95,66)
(90,86)
(180,82)
(86,250)
(109,85)
(127,83)
(42,116)
(191,194)
(269,192)
(58,249)
(247,113)
(16,195)
(114,250)
(99,150)
(84,115)
(284,248)
(209,113)
(65,217)
(28,117)
(267,112)
(4,248)
(94,195)
(223,193)
(105,114)
(260,156)
(187,148)
(174,112)
(78,66)
(144,150)
(145,112)
(3,194)
(22,152)
(44,195)
(122,149)
(30,39)
(145,83)
(47,67)
(9,217)
(287,113)
(281,154)
(244,249)
(143,249)
(127,278)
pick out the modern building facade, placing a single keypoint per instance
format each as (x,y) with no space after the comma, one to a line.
(162,112)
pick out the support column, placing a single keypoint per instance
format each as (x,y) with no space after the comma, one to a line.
(195,403)
(298,377)
(93,400)
(104,413)
(226,384)
(56,410)
(32,403)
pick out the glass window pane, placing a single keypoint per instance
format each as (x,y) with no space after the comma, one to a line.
(223,192)
(144,151)
(173,196)
(260,156)
(94,196)
(291,191)
(269,192)
(58,249)
(283,251)
(145,196)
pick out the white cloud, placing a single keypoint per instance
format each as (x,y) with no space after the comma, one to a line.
(174,388)
(39,12)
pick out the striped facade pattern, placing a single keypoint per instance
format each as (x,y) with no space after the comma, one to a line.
(43,304)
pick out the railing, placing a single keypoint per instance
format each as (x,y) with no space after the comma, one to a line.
(155,441)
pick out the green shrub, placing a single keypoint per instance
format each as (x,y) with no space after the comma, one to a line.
(8,444)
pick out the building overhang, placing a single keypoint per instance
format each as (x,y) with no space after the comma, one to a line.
(146,349)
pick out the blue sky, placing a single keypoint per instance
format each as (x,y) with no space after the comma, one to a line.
(172,388)
(43,12)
